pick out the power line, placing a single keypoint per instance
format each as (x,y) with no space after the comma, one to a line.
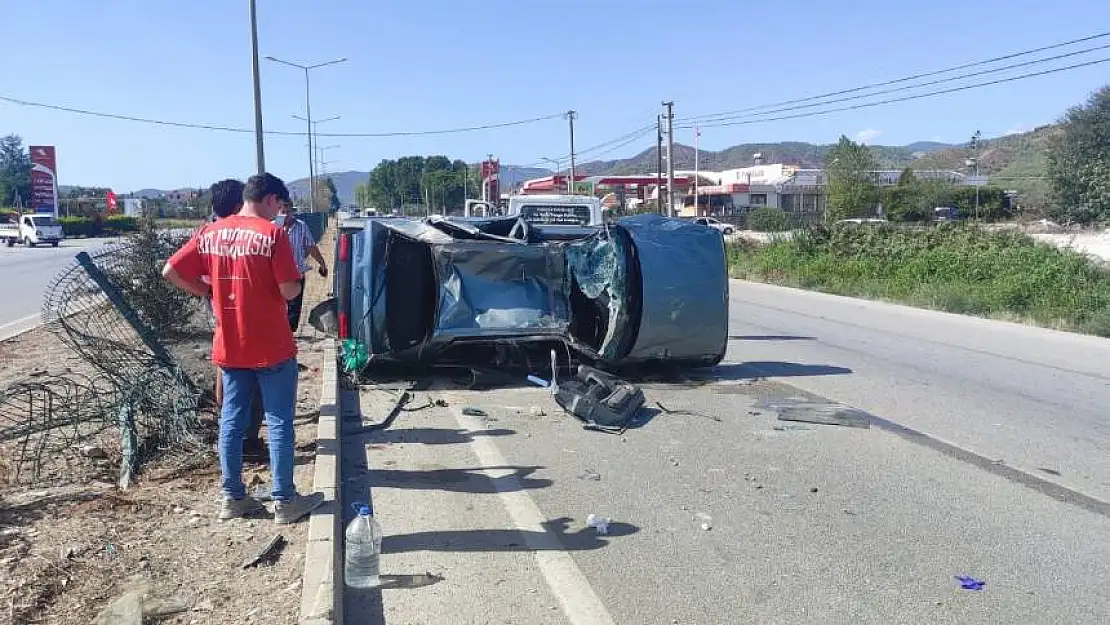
(213,127)
(723,117)
(917,96)
(909,78)
(622,140)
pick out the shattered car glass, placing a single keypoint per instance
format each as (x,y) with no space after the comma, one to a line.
(644,290)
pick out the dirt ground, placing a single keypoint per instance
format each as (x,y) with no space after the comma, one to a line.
(67,550)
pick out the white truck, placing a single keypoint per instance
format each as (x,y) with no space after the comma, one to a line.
(543,210)
(32,229)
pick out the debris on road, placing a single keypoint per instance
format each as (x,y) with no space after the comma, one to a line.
(970,583)
(600,524)
(270,552)
(691,413)
(590,474)
(398,408)
(804,411)
(474,411)
(602,401)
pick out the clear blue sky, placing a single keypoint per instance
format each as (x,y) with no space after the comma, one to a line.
(439,64)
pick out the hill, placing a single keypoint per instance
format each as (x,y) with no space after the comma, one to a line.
(345,183)
(1016,161)
(798,153)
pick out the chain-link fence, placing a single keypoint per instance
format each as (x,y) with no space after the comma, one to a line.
(142,346)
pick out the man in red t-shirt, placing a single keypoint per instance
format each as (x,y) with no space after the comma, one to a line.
(252,273)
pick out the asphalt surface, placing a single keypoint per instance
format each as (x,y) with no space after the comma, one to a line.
(986,457)
(24,276)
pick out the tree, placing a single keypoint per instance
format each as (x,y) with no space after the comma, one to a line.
(381,186)
(333,193)
(1079,162)
(362,194)
(15,171)
(436,180)
(906,201)
(851,185)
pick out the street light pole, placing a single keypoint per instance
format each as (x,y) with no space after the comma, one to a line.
(308,118)
(314,150)
(260,154)
(570,116)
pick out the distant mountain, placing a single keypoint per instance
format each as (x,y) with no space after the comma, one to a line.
(1017,161)
(924,147)
(797,153)
(345,183)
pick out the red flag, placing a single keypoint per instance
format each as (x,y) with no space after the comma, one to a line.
(111,202)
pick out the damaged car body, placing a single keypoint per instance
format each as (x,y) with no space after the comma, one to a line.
(642,292)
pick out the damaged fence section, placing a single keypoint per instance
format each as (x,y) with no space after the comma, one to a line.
(134,387)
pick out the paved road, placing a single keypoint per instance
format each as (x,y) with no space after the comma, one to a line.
(25,275)
(987,457)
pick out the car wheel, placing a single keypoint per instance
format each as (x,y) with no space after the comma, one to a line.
(28,243)
(54,244)
(10,242)
(728,231)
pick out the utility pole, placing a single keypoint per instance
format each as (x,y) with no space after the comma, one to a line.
(260,153)
(570,116)
(659,162)
(670,158)
(975,149)
(697,200)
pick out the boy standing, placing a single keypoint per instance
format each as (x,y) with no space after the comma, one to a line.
(252,273)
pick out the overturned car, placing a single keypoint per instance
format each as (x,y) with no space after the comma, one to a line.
(644,291)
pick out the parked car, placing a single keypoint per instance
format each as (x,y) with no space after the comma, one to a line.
(32,230)
(716,225)
(643,291)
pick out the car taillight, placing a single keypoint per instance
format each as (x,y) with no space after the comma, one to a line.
(344,247)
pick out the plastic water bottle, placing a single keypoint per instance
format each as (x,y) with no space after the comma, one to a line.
(362,550)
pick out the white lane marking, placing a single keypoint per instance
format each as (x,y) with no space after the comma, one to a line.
(19,326)
(580,603)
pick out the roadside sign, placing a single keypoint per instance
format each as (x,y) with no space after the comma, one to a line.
(44,179)
(977,181)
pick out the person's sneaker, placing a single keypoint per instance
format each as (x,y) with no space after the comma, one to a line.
(292,510)
(235,508)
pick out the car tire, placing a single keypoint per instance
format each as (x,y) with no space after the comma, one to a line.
(28,244)
(53,244)
(729,231)
(10,242)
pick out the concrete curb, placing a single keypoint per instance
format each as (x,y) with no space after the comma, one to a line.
(322,587)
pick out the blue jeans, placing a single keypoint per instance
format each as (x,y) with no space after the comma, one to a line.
(278,385)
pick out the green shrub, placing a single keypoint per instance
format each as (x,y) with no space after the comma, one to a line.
(767,219)
(956,267)
(120,224)
(78,226)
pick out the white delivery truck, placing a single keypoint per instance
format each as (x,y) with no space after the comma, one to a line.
(32,229)
(543,210)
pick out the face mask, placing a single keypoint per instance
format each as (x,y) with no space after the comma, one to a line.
(279,220)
